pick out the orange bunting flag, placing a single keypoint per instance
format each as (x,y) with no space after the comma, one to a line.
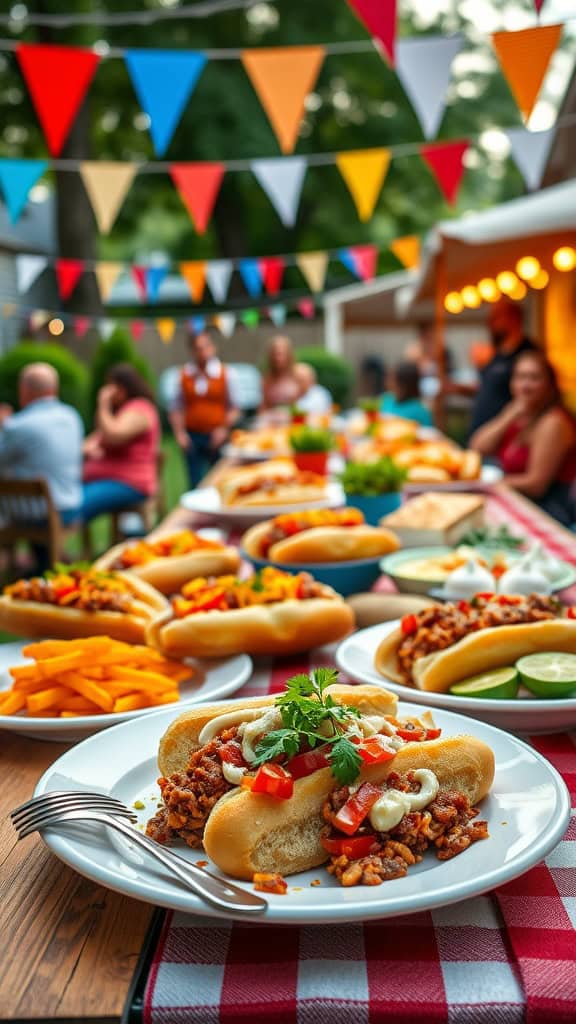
(57,78)
(68,273)
(313,266)
(194,273)
(524,58)
(282,77)
(407,250)
(446,163)
(106,275)
(198,186)
(106,183)
(166,327)
(364,171)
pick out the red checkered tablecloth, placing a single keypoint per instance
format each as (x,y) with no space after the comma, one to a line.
(503,958)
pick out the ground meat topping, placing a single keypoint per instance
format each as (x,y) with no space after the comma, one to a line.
(88,593)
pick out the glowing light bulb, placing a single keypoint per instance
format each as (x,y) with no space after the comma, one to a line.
(453,302)
(488,289)
(506,281)
(518,292)
(471,296)
(528,267)
(541,279)
(564,258)
(56,326)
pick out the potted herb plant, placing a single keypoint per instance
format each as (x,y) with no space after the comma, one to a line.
(371,409)
(373,487)
(310,448)
(297,415)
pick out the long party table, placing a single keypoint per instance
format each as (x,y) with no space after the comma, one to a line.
(70,948)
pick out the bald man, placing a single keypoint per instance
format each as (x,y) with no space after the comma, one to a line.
(44,439)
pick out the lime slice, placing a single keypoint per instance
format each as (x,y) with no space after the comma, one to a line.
(548,674)
(499,684)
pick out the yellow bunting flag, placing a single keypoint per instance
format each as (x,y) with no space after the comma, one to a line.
(194,273)
(364,171)
(282,78)
(106,275)
(407,250)
(524,58)
(106,183)
(166,328)
(313,266)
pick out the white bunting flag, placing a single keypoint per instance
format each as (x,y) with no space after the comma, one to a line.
(226,323)
(218,274)
(278,314)
(105,328)
(424,66)
(28,269)
(282,182)
(38,318)
(530,152)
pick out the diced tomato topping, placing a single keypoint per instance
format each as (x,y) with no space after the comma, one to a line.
(353,848)
(308,762)
(272,780)
(374,751)
(433,734)
(411,733)
(463,606)
(409,624)
(508,599)
(571,613)
(64,590)
(231,753)
(272,882)
(485,595)
(352,813)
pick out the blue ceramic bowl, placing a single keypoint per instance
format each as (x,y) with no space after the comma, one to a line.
(375,506)
(344,577)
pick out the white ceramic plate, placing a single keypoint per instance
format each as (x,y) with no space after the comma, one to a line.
(210,680)
(527,813)
(489,475)
(528,714)
(207,501)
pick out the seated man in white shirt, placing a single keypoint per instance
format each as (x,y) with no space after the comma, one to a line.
(314,397)
(44,439)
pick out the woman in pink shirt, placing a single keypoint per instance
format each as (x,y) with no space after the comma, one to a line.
(121,455)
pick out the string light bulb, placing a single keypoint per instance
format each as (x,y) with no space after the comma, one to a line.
(506,281)
(471,296)
(564,258)
(518,292)
(528,268)
(453,302)
(488,289)
(541,279)
(56,326)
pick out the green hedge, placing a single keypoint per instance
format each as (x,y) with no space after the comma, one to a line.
(119,348)
(333,372)
(74,376)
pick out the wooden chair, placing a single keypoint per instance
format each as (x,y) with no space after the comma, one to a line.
(27,512)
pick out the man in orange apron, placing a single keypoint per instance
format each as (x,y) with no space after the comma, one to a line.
(203,412)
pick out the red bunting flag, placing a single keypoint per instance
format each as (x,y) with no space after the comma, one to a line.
(57,78)
(306,308)
(365,259)
(272,271)
(379,17)
(446,163)
(68,273)
(137,329)
(198,186)
(140,279)
(538,4)
(81,325)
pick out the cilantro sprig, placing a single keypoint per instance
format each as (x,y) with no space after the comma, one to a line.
(311,716)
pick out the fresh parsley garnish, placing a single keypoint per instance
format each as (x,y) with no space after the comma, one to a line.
(312,717)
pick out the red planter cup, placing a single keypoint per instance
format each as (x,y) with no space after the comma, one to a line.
(312,462)
(372,415)
(298,419)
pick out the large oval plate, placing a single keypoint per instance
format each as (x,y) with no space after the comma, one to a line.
(527,812)
(207,501)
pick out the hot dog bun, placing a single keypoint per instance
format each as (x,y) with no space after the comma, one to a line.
(34,619)
(275,482)
(478,652)
(323,544)
(170,573)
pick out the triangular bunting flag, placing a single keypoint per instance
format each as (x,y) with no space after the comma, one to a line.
(282,78)
(81,325)
(250,318)
(251,276)
(139,278)
(218,274)
(197,323)
(226,324)
(361,260)
(277,314)
(530,152)
(154,278)
(166,327)
(137,329)
(313,265)
(306,308)
(538,4)
(198,186)
(17,177)
(57,78)
(524,58)
(446,163)
(163,81)
(194,273)
(272,270)
(38,318)
(106,328)
(379,17)
(68,273)
(364,171)
(28,269)
(407,250)
(282,182)
(106,184)
(424,67)
(106,275)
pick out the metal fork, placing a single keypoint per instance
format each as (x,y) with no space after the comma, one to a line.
(56,808)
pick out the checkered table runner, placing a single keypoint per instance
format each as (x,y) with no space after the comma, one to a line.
(503,958)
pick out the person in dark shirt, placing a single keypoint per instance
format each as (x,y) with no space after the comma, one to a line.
(507,333)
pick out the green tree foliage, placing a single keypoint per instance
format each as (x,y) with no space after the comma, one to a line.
(74,377)
(119,348)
